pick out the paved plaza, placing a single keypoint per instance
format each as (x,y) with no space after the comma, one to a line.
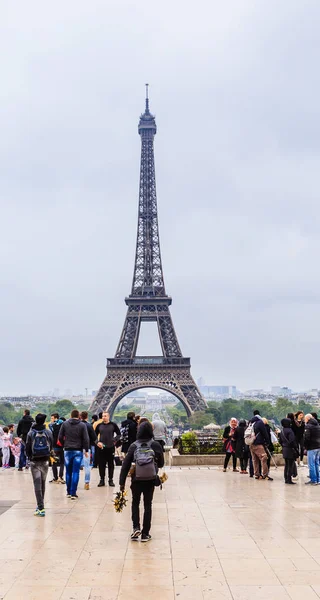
(216,536)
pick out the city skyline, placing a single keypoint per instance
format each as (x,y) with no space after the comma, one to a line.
(237,187)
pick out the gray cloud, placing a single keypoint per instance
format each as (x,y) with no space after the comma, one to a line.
(236,96)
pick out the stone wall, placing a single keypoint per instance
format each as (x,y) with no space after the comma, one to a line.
(188,460)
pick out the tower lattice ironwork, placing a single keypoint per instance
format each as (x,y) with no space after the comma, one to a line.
(148,301)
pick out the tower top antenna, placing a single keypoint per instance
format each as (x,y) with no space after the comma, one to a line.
(147,97)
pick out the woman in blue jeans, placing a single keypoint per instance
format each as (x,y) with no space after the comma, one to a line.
(87,460)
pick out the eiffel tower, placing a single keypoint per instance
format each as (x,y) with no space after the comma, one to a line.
(148,301)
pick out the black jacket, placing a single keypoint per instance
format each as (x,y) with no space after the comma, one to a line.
(73,435)
(227,438)
(159,458)
(55,428)
(298,428)
(242,449)
(312,435)
(287,440)
(131,425)
(91,432)
(29,442)
(260,431)
(24,426)
(270,445)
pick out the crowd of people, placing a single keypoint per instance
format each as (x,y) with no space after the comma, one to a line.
(74,444)
(69,445)
(252,443)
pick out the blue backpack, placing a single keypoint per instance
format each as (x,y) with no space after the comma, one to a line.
(40,444)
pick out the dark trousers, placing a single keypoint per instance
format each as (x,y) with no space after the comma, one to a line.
(60,455)
(227,458)
(39,471)
(105,455)
(244,462)
(146,488)
(301,450)
(288,469)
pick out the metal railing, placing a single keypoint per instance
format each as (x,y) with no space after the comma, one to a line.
(200,446)
(208,446)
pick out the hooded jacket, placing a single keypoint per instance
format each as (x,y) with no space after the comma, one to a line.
(312,435)
(260,431)
(24,426)
(131,426)
(55,428)
(144,434)
(159,428)
(242,450)
(48,433)
(73,435)
(287,440)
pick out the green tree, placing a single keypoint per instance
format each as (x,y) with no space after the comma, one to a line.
(63,407)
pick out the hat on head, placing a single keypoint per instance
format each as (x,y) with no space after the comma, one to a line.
(40,418)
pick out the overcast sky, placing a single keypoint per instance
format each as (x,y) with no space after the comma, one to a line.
(235,90)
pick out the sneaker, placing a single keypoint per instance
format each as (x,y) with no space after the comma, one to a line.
(146,537)
(224,470)
(101,483)
(310,483)
(290,483)
(54,481)
(40,513)
(36,512)
(68,495)
(20,469)
(267,478)
(136,534)
(111,483)
(74,497)
(86,486)
(236,470)
(61,480)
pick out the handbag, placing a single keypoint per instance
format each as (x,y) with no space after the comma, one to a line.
(274,438)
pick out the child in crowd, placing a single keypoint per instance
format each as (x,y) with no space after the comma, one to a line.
(6,441)
(16,450)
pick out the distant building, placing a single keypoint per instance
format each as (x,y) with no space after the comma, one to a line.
(281,392)
(219,391)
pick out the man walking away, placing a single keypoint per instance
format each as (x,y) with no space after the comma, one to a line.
(128,432)
(312,445)
(147,454)
(87,459)
(289,449)
(23,429)
(39,445)
(106,432)
(258,450)
(54,427)
(73,435)
(159,430)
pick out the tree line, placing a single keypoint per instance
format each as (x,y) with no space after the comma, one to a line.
(221,412)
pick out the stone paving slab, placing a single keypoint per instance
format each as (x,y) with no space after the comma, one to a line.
(221,536)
